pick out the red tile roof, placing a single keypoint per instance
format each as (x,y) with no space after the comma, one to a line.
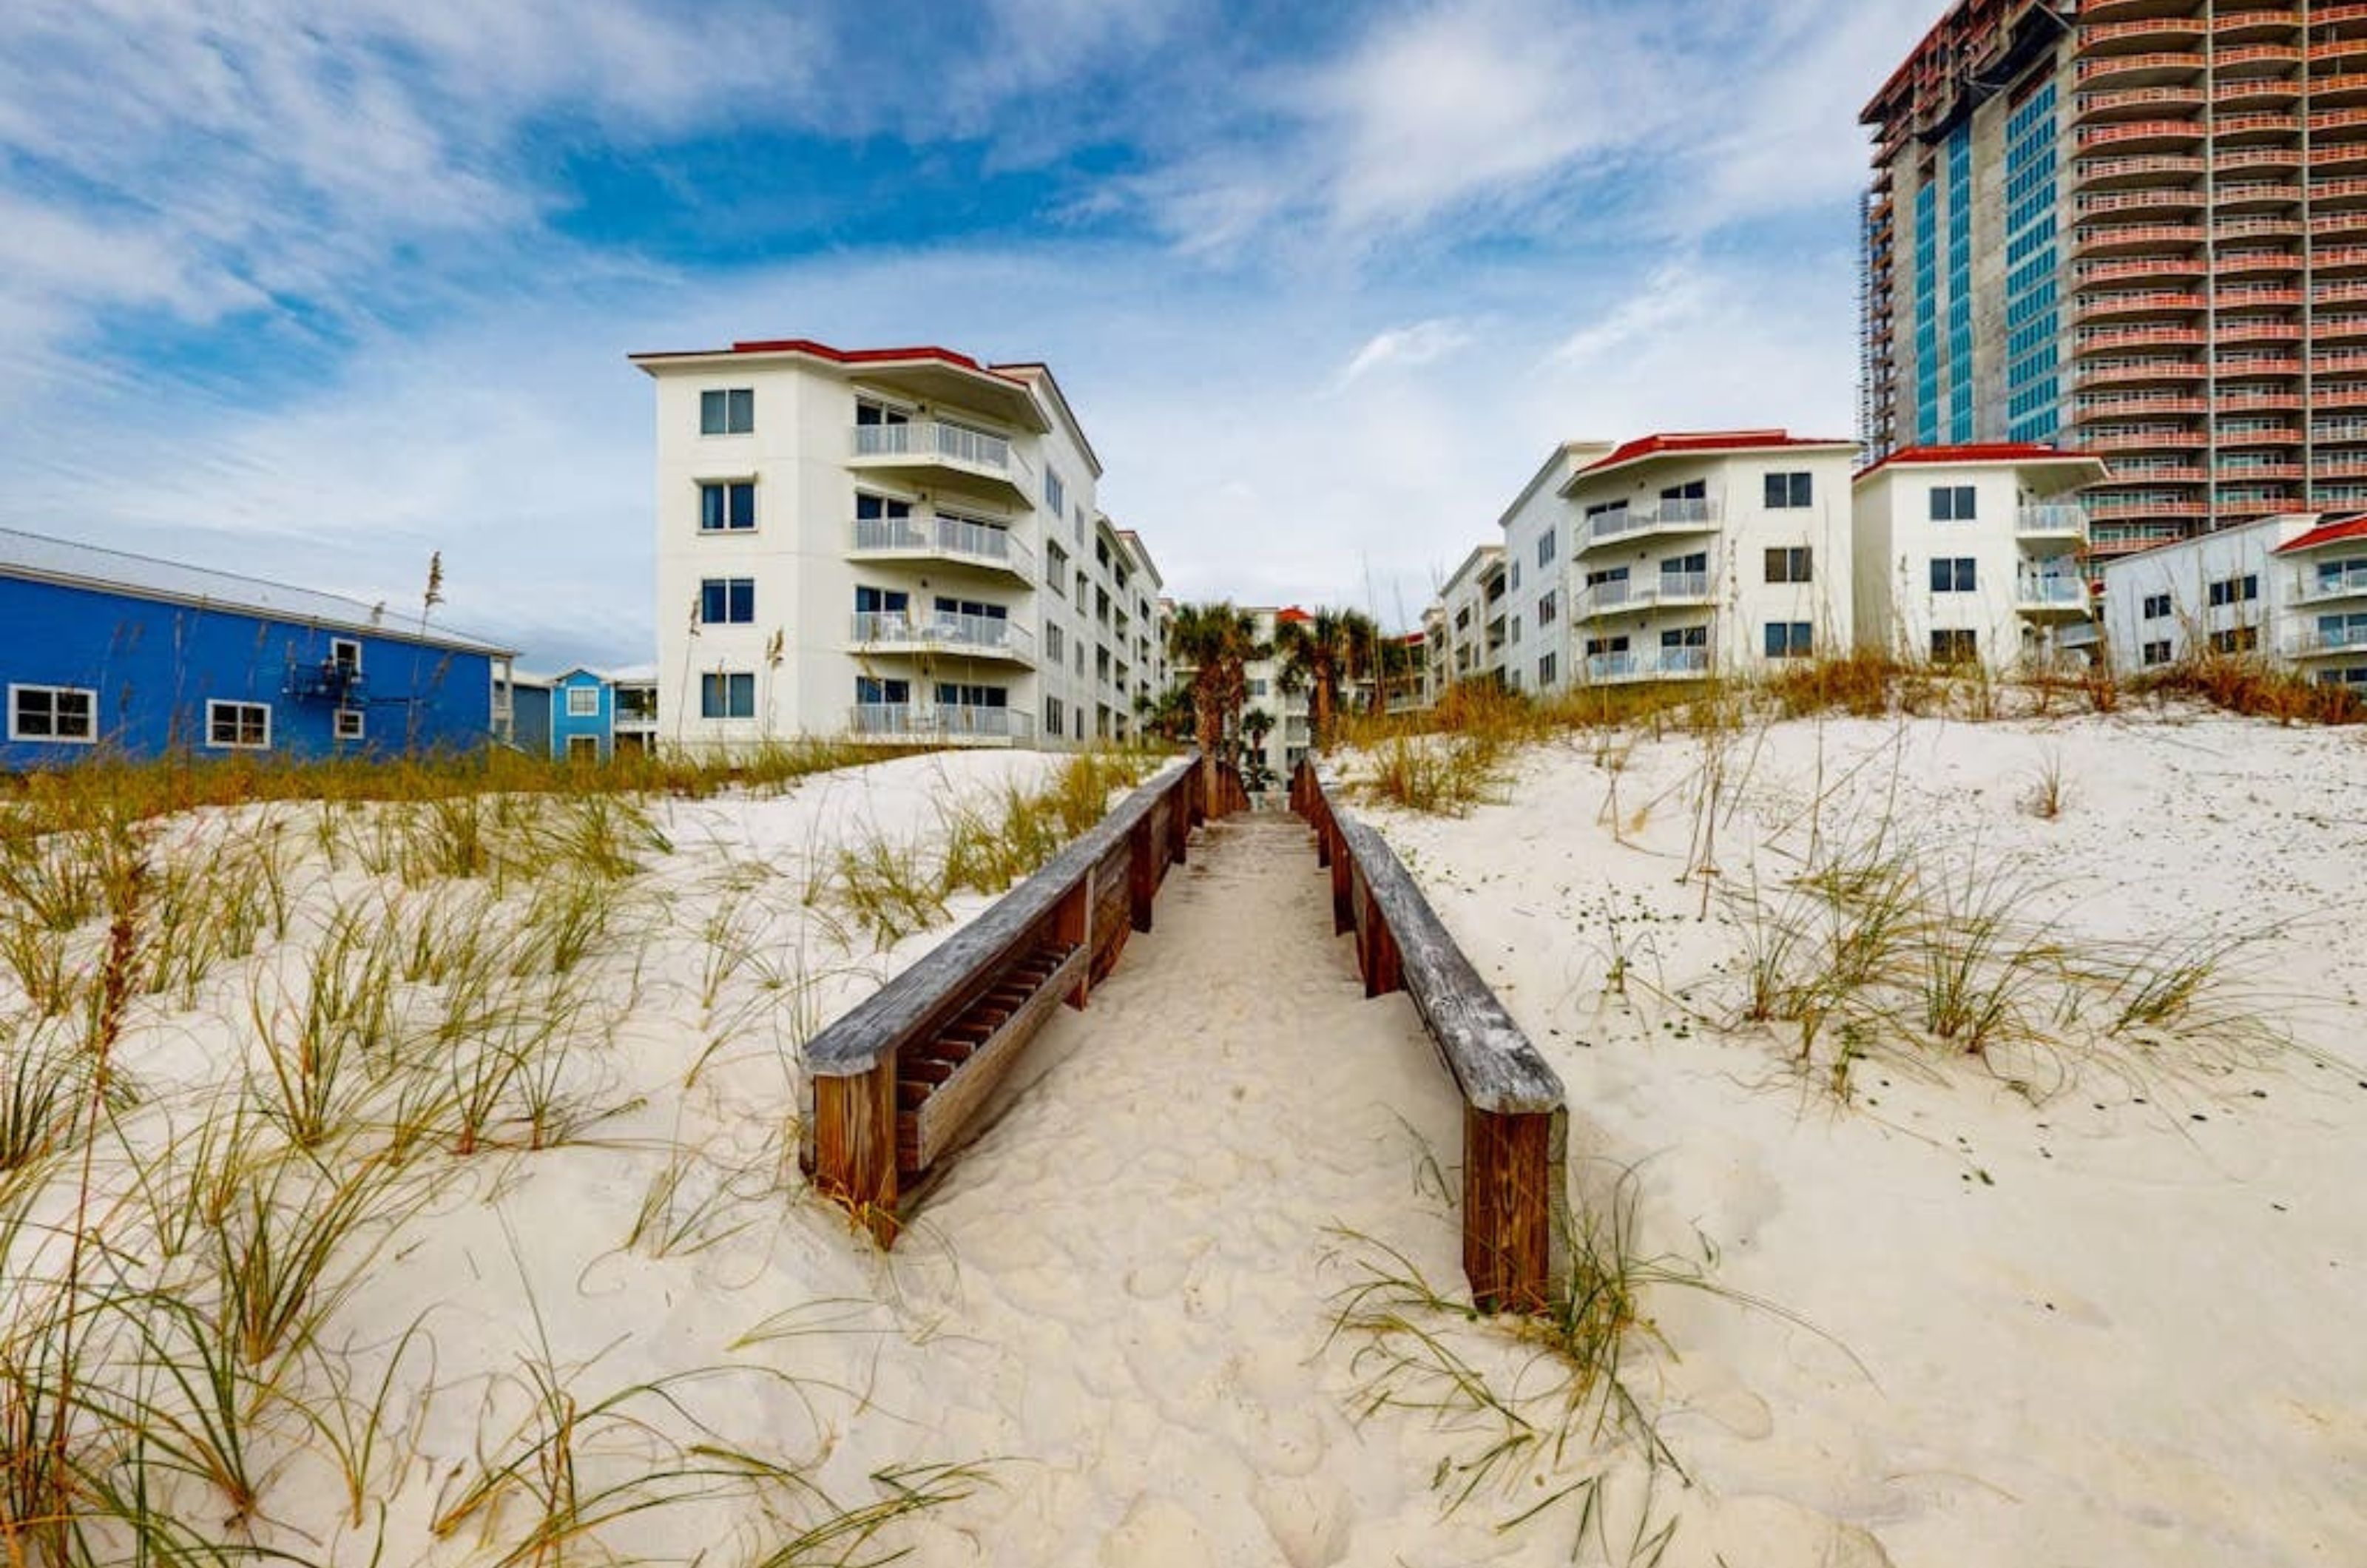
(1676,443)
(1291,613)
(1981,452)
(843,356)
(2327,534)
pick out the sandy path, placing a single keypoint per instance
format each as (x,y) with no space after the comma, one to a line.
(1127,1263)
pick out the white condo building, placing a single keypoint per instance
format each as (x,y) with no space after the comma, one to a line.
(2292,589)
(893,543)
(1972,553)
(1673,556)
(1468,622)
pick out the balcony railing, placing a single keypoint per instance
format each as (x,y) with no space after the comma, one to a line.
(953,537)
(944,722)
(2051,592)
(1642,592)
(1666,516)
(1650,664)
(2349,584)
(934,440)
(898,628)
(2318,642)
(2047,518)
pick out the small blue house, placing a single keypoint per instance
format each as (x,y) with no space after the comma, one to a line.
(586,715)
(582,707)
(104,651)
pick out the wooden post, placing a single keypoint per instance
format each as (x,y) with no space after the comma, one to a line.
(1384,969)
(1074,927)
(1343,906)
(855,1145)
(1508,1190)
(1141,873)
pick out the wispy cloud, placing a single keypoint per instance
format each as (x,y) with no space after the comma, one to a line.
(1407,347)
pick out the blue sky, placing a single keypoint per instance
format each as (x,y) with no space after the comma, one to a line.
(311,290)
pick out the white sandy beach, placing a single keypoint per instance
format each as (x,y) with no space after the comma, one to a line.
(2104,1322)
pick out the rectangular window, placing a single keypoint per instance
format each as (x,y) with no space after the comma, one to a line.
(1055,717)
(1513,580)
(2157,606)
(345,653)
(872,692)
(1056,569)
(2240,639)
(2156,653)
(1791,563)
(239,726)
(1547,667)
(727,601)
(1790,639)
(1787,492)
(725,696)
(1951,574)
(1957,645)
(1952,503)
(1056,494)
(2235,590)
(350,724)
(1056,642)
(582,702)
(1547,611)
(727,506)
(728,412)
(52,713)
(1547,542)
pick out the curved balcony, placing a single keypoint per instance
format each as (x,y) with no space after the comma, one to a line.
(2258,296)
(2101,339)
(922,634)
(2136,103)
(2254,93)
(2339,125)
(2248,26)
(2338,194)
(2143,269)
(2152,67)
(2102,506)
(2051,596)
(2103,31)
(2234,434)
(2249,400)
(2145,199)
(2129,537)
(2340,260)
(2240,330)
(2338,397)
(2145,440)
(2256,126)
(953,456)
(2259,262)
(2142,135)
(2342,51)
(2135,405)
(2341,326)
(2333,92)
(1634,595)
(1644,522)
(2339,433)
(2344,223)
(2349,292)
(954,722)
(2246,473)
(2239,366)
(2137,372)
(2254,195)
(2108,174)
(2240,162)
(2137,305)
(2235,230)
(2338,157)
(2255,59)
(954,540)
(2166,470)
(2343,363)
(1647,664)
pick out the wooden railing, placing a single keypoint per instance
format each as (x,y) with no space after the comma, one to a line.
(1515,1114)
(895,1085)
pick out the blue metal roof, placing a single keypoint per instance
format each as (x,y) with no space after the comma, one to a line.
(37,557)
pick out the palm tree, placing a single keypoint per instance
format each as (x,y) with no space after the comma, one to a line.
(1256,724)
(1324,654)
(1215,643)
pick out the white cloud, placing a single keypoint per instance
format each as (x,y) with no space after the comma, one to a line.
(1407,347)
(1675,293)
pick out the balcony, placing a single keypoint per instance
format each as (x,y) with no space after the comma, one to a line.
(2125,538)
(2132,239)
(2257,193)
(2327,642)
(2349,87)
(954,455)
(2151,67)
(2347,397)
(2102,508)
(2256,125)
(2340,362)
(2344,223)
(2170,199)
(1651,664)
(1636,522)
(2242,27)
(2345,157)
(2242,161)
(2048,595)
(2340,431)
(2108,174)
(2100,340)
(2321,588)
(962,724)
(2144,439)
(2349,260)
(2239,329)
(1630,596)
(2136,372)
(2136,103)
(2128,405)
(2237,366)
(2259,262)
(2146,268)
(2142,135)
(2255,228)
(2051,520)
(2258,296)
(897,632)
(2099,31)
(2135,305)
(953,539)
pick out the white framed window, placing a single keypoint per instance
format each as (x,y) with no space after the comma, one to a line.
(1055,645)
(1791,563)
(582,702)
(238,726)
(727,695)
(1790,491)
(1056,494)
(345,653)
(727,601)
(2156,608)
(53,713)
(350,725)
(728,411)
(1954,574)
(1952,503)
(727,506)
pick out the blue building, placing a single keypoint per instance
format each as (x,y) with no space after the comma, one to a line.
(100,650)
(586,715)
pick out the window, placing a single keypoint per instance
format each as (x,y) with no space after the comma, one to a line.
(1547,609)
(1546,669)
(583,701)
(1512,581)
(242,727)
(1951,574)
(2235,590)
(953,694)
(350,724)
(1055,645)
(52,713)
(727,412)
(1084,589)
(1056,569)
(1791,563)
(1055,719)
(1952,503)
(727,601)
(872,692)
(727,505)
(583,748)
(1790,639)
(1056,494)
(2157,606)
(1516,628)
(725,696)
(1954,645)
(1789,491)
(2156,652)
(345,653)
(1692,489)
(2239,639)
(1547,542)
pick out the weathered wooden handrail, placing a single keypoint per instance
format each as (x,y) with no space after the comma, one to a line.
(1515,1111)
(894,1085)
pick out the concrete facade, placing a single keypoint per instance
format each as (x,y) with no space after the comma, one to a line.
(2291,590)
